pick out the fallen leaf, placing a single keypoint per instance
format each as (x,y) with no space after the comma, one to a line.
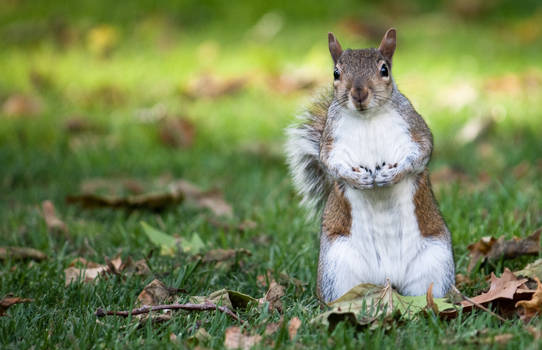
(224,297)
(20,105)
(173,338)
(210,86)
(475,129)
(293,327)
(283,278)
(156,293)
(212,200)
(273,327)
(177,132)
(236,339)
(500,339)
(54,224)
(504,287)
(532,270)
(169,245)
(138,267)
(200,337)
(531,307)
(153,201)
(89,272)
(367,303)
(21,253)
(272,297)
(112,186)
(492,249)
(220,255)
(431,305)
(6,302)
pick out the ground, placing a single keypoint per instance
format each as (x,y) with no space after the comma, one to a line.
(117,71)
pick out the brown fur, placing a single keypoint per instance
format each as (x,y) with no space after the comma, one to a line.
(337,217)
(430,221)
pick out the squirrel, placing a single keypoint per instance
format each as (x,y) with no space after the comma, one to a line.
(359,156)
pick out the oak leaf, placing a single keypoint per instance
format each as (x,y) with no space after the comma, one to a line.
(508,286)
(531,307)
(236,339)
(6,302)
(490,248)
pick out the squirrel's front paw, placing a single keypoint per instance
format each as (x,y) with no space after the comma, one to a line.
(387,174)
(362,178)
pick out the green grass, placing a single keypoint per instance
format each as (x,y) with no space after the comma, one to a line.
(237,149)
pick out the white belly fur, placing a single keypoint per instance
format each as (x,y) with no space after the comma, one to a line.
(385,241)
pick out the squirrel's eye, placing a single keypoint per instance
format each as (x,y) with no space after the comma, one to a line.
(336,74)
(384,71)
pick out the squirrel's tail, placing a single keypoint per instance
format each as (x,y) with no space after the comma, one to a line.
(303,154)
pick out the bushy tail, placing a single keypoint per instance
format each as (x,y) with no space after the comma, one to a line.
(303,154)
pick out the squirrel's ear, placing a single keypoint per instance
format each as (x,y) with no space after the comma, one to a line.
(387,45)
(335,48)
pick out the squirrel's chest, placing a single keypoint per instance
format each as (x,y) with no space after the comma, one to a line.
(368,141)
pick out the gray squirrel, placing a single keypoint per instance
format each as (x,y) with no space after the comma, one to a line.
(359,155)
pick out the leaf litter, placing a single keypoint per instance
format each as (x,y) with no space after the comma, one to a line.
(21,253)
(153,195)
(491,248)
(8,301)
(86,271)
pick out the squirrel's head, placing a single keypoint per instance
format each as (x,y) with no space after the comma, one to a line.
(362,78)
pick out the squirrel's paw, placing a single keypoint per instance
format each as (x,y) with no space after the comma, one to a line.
(362,178)
(387,174)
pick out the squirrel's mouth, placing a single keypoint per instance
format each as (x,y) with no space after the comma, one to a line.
(358,105)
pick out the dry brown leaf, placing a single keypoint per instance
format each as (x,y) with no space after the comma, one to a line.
(19,105)
(153,201)
(54,224)
(218,255)
(156,293)
(273,295)
(430,302)
(293,327)
(236,339)
(6,302)
(89,272)
(21,253)
(492,249)
(533,307)
(500,339)
(273,327)
(177,132)
(112,186)
(283,278)
(210,86)
(212,200)
(504,287)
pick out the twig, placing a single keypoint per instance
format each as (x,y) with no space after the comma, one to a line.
(477,304)
(191,307)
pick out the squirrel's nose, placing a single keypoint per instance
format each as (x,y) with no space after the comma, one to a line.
(359,94)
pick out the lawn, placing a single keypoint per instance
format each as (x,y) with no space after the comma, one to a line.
(93,87)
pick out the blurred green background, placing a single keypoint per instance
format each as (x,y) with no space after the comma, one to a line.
(203,90)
